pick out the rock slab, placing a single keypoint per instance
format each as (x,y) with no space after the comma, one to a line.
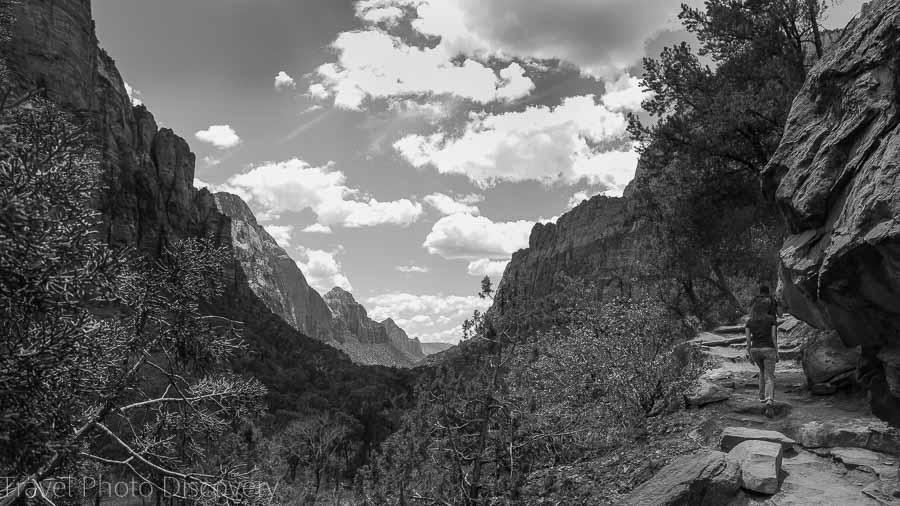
(759,463)
(706,392)
(734,436)
(706,478)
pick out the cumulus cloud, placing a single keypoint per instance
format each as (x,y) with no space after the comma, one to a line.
(295,185)
(468,237)
(210,161)
(487,267)
(602,37)
(220,136)
(448,205)
(284,81)
(317,228)
(432,317)
(322,270)
(375,64)
(412,269)
(281,234)
(624,93)
(545,144)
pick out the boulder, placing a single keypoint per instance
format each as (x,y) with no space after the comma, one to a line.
(835,179)
(877,436)
(748,406)
(759,463)
(706,392)
(826,357)
(733,436)
(706,478)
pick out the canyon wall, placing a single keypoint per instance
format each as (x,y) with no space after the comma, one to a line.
(836,178)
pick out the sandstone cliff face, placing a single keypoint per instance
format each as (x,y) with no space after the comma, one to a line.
(272,274)
(150,171)
(365,340)
(838,185)
(592,240)
(411,348)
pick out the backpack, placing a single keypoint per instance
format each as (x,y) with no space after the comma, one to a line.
(763,307)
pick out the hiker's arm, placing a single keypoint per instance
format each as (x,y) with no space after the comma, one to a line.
(775,339)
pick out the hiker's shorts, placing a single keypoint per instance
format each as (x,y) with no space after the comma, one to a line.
(764,356)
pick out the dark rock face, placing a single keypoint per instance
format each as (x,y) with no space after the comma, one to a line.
(592,240)
(272,274)
(364,339)
(150,171)
(838,185)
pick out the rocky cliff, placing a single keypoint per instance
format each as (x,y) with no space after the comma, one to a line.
(364,339)
(836,178)
(593,240)
(272,274)
(434,348)
(411,348)
(149,170)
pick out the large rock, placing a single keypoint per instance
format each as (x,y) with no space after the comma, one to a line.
(706,392)
(825,357)
(878,436)
(733,436)
(837,181)
(759,463)
(707,478)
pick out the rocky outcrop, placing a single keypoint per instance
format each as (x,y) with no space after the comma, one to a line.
(149,171)
(760,464)
(826,360)
(590,241)
(411,348)
(837,182)
(704,479)
(272,274)
(364,339)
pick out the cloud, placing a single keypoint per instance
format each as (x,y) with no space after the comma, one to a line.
(374,64)
(602,37)
(486,267)
(412,269)
(220,136)
(624,94)
(210,161)
(281,234)
(284,81)
(200,184)
(294,185)
(133,95)
(386,15)
(317,228)
(448,205)
(322,270)
(580,139)
(431,317)
(467,237)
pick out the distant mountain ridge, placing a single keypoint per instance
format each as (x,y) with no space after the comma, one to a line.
(336,319)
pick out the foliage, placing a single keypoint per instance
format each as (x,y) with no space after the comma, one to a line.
(104,357)
(713,130)
(518,399)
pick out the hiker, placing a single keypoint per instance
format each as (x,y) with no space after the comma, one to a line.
(762,341)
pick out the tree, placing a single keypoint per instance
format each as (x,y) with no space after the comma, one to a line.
(314,443)
(104,356)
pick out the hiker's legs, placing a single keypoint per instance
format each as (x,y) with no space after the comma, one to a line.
(769,383)
(757,357)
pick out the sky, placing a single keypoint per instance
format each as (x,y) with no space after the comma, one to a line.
(399,149)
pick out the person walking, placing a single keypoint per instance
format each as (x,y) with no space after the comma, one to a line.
(762,342)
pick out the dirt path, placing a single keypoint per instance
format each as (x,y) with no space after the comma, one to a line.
(843,455)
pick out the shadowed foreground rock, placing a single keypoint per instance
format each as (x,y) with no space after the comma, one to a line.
(702,479)
(838,186)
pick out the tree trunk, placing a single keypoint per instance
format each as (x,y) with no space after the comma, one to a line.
(812,11)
